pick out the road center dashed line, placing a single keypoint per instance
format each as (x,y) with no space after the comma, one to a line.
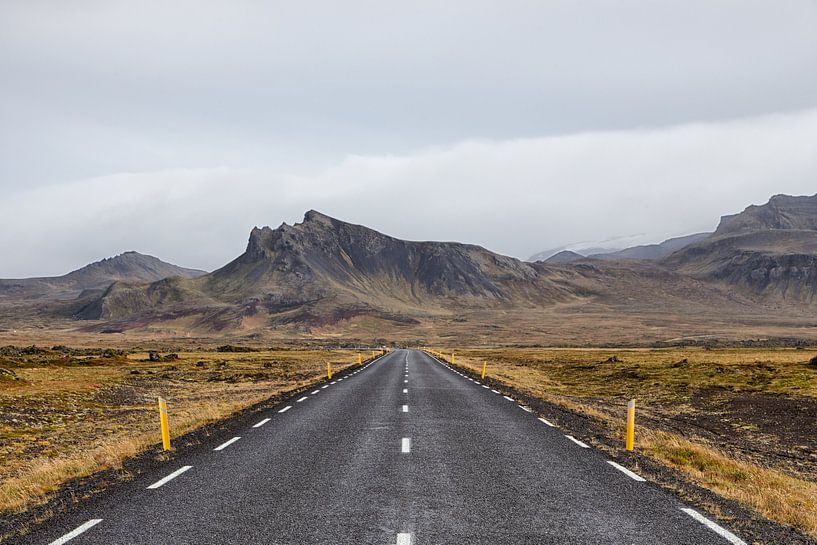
(405,390)
(285,409)
(170,477)
(405,408)
(403,539)
(93,522)
(262,423)
(226,444)
(406,445)
(718,529)
(630,474)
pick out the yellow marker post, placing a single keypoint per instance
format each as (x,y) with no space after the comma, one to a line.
(328,371)
(452,358)
(164,423)
(484,365)
(630,442)
(359,358)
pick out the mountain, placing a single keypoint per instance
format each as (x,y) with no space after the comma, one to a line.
(565,256)
(653,251)
(610,245)
(324,270)
(126,267)
(768,250)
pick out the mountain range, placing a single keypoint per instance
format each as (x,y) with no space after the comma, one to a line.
(755,275)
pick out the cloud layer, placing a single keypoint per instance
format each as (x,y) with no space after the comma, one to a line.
(514,196)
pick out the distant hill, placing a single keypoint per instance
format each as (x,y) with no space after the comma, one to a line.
(653,251)
(565,256)
(126,267)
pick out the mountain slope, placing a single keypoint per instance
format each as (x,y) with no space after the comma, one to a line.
(768,250)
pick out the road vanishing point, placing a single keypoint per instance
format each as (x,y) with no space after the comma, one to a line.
(405,451)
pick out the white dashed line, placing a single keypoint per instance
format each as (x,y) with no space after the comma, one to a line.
(405,381)
(405,390)
(285,409)
(627,472)
(405,408)
(720,530)
(333,382)
(316,392)
(227,443)
(302,399)
(547,423)
(403,539)
(262,423)
(485,386)
(494,391)
(525,408)
(170,477)
(93,522)
(508,398)
(324,387)
(577,441)
(406,446)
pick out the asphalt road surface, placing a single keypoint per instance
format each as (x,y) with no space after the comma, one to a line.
(402,451)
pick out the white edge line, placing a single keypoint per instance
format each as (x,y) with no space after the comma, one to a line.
(285,409)
(547,422)
(630,474)
(170,477)
(302,399)
(74,533)
(262,423)
(226,444)
(527,410)
(583,445)
(494,391)
(508,398)
(316,392)
(324,387)
(718,529)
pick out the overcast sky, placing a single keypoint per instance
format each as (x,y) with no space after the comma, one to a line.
(172,128)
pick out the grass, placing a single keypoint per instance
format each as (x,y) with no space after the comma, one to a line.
(722,417)
(71,414)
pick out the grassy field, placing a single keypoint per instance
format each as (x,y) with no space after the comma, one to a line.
(67,413)
(740,422)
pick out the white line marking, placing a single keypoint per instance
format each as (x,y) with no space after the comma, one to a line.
(527,410)
(262,423)
(403,539)
(508,398)
(405,390)
(333,382)
(170,477)
(324,387)
(627,472)
(93,522)
(494,391)
(285,409)
(485,386)
(227,443)
(406,447)
(405,381)
(316,392)
(720,530)
(302,399)
(547,422)
(576,441)
(405,408)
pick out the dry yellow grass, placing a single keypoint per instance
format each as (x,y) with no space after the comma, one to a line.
(672,386)
(72,416)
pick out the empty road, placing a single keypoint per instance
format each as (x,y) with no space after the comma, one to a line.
(403,451)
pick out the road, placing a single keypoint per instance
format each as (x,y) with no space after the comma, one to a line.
(403,451)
